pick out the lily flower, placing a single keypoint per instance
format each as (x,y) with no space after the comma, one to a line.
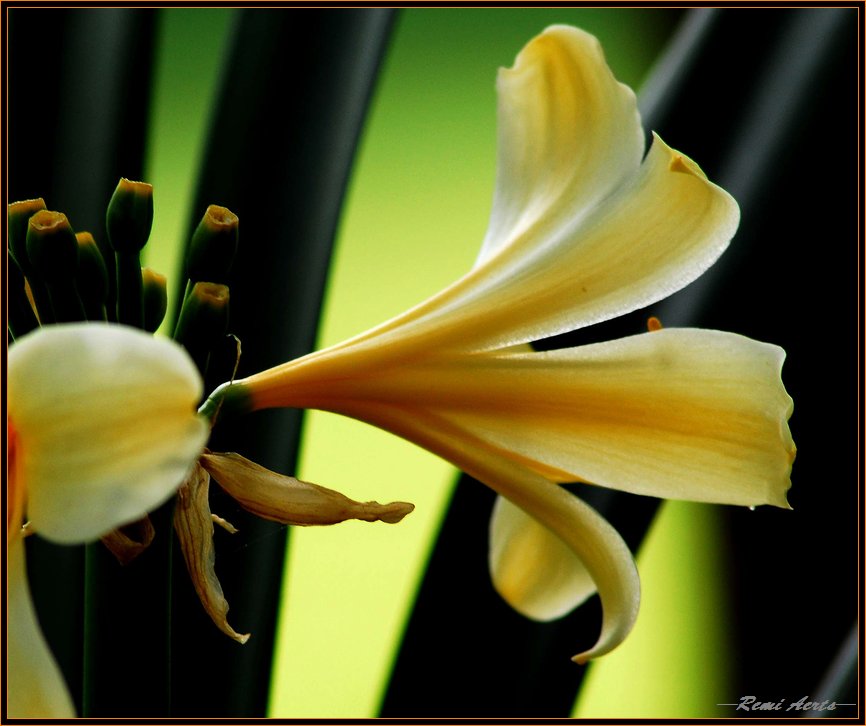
(584,228)
(101,428)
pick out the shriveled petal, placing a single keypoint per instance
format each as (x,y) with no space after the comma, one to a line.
(127,543)
(569,134)
(194,526)
(532,569)
(593,541)
(677,413)
(107,425)
(35,688)
(287,500)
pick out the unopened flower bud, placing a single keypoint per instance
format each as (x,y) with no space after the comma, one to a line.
(53,252)
(129,216)
(213,246)
(17,216)
(203,320)
(155,298)
(128,222)
(92,277)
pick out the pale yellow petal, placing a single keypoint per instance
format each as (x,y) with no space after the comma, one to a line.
(194,526)
(107,425)
(287,500)
(650,237)
(35,688)
(579,233)
(532,569)
(593,541)
(569,134)
(677,413)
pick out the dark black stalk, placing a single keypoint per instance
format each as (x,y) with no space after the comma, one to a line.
(284,176)
(127,628)
(130,297)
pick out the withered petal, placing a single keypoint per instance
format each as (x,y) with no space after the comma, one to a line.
(128,542)
(224,523)
(287,500)
(194,527)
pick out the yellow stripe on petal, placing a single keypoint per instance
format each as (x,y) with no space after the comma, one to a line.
(532,569)
(35,689)
(677,413)
(107,425)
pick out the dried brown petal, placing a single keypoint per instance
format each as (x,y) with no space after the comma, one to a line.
(224,523)
(128,542)
(194,527)
(288,500)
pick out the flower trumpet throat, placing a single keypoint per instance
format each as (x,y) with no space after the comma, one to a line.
(584,227)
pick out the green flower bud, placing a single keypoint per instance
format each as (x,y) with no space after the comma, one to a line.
(129,216)
(53,251)
(213,246)
(51,246)
(203,320)
(92,277)
(154,286)
(17,217)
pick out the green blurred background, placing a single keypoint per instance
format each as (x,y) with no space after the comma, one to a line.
(416,211)
(734,602)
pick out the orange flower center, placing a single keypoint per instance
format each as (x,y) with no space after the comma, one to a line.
(14,483)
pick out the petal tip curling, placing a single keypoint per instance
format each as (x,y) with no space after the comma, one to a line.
(394,512)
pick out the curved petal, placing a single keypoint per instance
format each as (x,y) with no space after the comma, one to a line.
(643,243)
(592,540)
(677,413)
(656,233)
(105,416)
(579,232)
(34,687)
(680,414)
(569,134)
(532,569)
(193,523)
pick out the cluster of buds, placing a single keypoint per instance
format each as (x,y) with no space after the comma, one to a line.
(57,275)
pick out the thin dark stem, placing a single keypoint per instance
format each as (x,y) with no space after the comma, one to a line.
(130,296)
(127,626)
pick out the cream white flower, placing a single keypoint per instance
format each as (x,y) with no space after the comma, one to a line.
(584,228)
(101,428)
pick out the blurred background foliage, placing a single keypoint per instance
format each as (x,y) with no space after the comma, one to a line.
(358,149)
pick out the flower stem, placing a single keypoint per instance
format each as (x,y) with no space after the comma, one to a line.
(127,625)
(130,296)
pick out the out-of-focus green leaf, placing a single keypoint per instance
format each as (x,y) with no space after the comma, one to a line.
(292,103)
